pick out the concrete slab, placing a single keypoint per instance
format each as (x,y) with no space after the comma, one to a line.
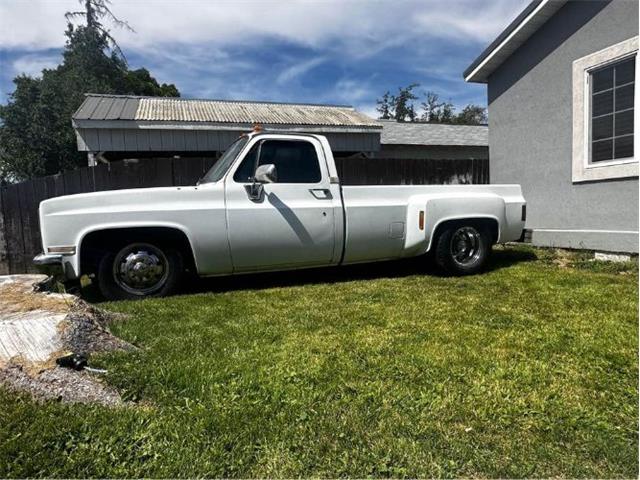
(31,323)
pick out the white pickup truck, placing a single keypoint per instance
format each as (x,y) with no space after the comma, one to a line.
(273,201)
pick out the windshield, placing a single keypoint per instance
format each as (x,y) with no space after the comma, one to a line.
(219,168)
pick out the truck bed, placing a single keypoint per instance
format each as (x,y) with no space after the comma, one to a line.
(383,221)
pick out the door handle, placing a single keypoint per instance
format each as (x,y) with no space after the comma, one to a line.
(321,193)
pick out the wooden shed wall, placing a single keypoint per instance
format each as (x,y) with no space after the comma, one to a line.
(188,140)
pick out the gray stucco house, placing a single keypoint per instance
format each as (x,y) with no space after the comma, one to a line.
(561,81)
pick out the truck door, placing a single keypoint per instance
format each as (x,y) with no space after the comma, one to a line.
(291,224)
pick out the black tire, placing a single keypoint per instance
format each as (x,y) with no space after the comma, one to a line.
(462,248)
(116,285)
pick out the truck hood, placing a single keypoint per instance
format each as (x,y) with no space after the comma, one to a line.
(65,220)
(112,200)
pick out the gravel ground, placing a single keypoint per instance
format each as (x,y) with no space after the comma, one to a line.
(60,384)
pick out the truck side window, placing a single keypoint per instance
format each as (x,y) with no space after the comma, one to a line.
(244,173)
(295,161)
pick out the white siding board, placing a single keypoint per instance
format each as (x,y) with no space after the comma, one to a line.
(104,140)
(117,140)
(130,140)
(155,140)
(91,139)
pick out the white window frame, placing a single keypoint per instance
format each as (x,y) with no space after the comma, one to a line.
(583,170)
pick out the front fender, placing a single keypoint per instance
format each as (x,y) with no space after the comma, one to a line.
(74,260)
(198,212)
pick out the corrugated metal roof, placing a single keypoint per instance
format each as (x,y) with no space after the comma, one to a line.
(163,109)
(401,133)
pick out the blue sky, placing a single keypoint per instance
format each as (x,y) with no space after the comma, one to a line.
(317,51)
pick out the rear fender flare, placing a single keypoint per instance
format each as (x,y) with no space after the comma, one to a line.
(462,218)
(445,208)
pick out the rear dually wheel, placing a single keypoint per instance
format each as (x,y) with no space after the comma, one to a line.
(462,248)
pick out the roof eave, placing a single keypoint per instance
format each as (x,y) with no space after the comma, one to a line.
(511,38)
(183,125)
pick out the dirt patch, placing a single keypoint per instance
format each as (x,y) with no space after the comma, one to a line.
(37,328)
(86,330)
(16,296)
(563,258)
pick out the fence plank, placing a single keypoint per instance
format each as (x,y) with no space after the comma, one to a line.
(4,260)
(187,171)
(29,218)
(386,171)
(13,229)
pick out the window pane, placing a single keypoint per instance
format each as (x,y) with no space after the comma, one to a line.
(602,127)
(221,167)
(624,97)
(602,103)
(296,162)
(625,71)
(602,150)
(244,173)
(624,122)
(602,79)
(624,147)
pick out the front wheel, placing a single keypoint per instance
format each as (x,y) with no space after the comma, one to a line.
(139,270)
(462,249)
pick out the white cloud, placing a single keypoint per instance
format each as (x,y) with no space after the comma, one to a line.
(194,43)
(33,64)
(354,28)
(350,91)
(299,69)
(33,25)
(471,20)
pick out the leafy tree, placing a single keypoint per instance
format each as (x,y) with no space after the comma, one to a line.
(399,107)
(434,110)
(35,126)
(93,11)
(403,102)
(385,106)
(142,83)
(472,115)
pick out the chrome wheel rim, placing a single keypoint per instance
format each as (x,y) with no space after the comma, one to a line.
(140,269)
(465,246)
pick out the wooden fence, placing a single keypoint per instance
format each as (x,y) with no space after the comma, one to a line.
(19,227)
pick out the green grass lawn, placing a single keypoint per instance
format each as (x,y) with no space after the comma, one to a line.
(528,370)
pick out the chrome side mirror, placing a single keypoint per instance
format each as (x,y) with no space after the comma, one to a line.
(266,174)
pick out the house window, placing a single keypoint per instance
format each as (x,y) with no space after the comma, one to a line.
(603,106)
(612,93)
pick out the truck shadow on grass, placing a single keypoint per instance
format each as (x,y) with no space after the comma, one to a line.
(503,257)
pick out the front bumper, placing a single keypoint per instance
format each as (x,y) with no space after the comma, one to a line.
(54,265)
(44,259)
